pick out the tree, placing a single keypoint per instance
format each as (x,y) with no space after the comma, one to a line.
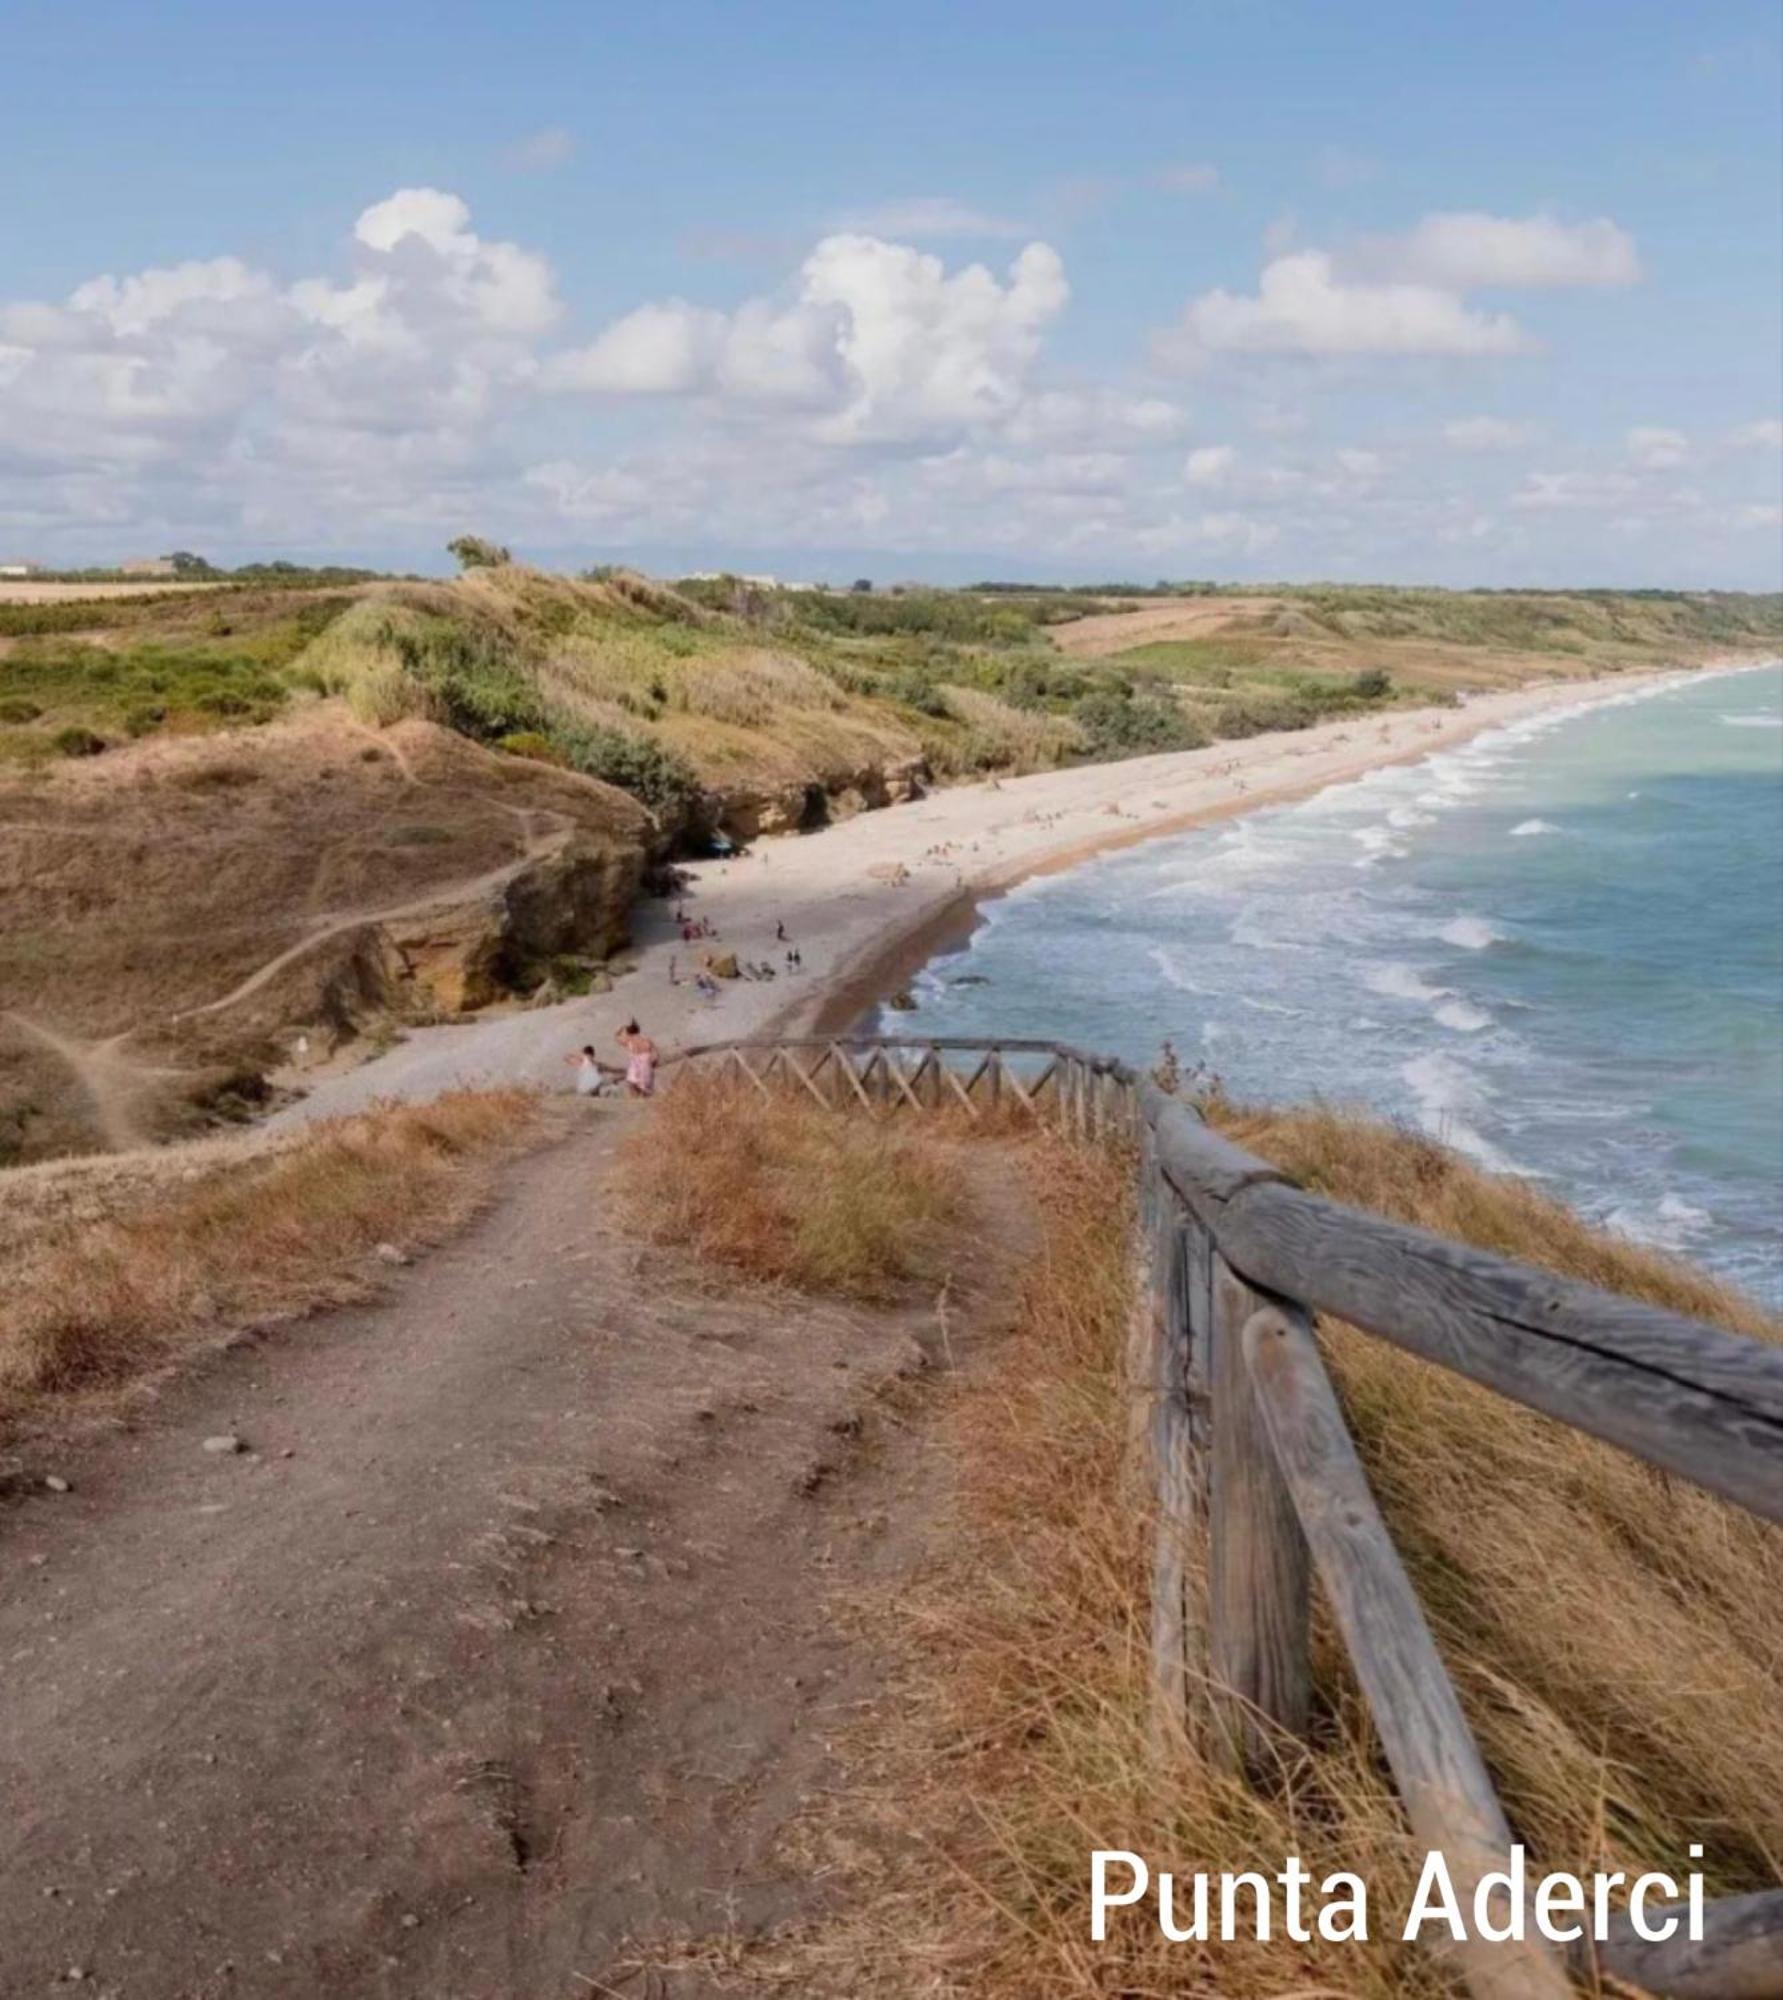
(185,563)
(475,553)
(862,586)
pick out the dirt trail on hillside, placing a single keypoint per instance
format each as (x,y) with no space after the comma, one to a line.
(538,847)
(111,1081)
(502,1661)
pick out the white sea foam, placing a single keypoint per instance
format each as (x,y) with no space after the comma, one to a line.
(1272,1007)
(1530,827)
(1445,1090)
(1245,932)
(1760,721)
(1168,964)
(1469,933)
(1401,982)
(1670,1223)
(1463,1016)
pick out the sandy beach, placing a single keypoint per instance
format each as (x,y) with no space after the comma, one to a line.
(868,901)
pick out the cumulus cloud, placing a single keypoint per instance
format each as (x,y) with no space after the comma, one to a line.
(1469,251)
(1302,305)
(1656,449)
(1487,434)
(1765,435)
(1209,465)
(880,343)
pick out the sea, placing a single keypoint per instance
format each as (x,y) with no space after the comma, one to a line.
(1558,948)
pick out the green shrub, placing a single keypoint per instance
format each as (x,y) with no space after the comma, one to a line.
(75,741)
(652,772)
(1119,723)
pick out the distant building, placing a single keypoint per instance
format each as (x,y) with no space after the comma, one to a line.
(21,567)
(149,566)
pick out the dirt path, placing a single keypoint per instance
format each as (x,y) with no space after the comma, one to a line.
(111,1080)
(538,847)
(501,1662)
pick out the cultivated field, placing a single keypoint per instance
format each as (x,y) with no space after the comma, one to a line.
(22,591)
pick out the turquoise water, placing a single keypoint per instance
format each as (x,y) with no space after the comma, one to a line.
(1559,948)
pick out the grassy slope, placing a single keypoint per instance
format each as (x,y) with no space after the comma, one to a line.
(95,1306)
(1614,1637)
(759,698)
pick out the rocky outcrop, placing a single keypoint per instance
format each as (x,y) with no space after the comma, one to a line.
(747,812)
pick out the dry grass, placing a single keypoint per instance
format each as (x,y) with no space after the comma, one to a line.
(97,1307)
(786,1192)
(1615,1638)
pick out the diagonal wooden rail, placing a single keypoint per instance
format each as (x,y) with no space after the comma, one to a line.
(1249,1450)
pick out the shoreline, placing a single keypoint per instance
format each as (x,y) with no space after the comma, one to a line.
(859,990)
(872,899)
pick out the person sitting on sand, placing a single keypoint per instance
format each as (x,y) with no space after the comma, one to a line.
(591,1079)
(641,1057)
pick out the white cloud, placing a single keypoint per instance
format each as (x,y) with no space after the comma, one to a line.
(1465,251)
(1223,533)
(884,396)
(1765,435)
(1302,306)
(1066,418)
(1210,465)
(880,342)
(1655,449)
(551,146)
(926,217)
(1199,177)
(1550,492)
(1488,434)
(667,349)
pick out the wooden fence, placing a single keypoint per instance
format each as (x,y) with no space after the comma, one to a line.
(1251,1458)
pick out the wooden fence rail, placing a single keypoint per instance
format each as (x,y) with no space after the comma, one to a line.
(1248,1451)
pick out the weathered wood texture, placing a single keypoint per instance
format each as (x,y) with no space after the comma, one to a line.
(1739,1956)
(1681,1394)
(1249,1452)
(1259,1581)
(1448,1795)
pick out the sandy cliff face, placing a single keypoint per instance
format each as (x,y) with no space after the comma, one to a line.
(173,917)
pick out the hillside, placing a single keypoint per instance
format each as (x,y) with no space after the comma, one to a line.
(270,809)
(176,912)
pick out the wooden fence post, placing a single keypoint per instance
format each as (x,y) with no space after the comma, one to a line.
(1447,1791)
(1259,1577)
(1182,1255)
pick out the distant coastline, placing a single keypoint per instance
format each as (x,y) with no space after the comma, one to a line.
(873,899)
(857,993)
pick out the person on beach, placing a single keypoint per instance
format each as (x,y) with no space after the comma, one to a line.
(641,1058)
(591,1079)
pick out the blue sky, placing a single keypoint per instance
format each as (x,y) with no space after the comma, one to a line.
(1242,288)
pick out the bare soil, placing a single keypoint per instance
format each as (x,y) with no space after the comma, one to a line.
(165,920)
(1145,623)
(505,1659)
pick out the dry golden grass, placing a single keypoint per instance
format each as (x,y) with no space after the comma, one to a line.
(99,1306)
(1615,1638)
(785,1192)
